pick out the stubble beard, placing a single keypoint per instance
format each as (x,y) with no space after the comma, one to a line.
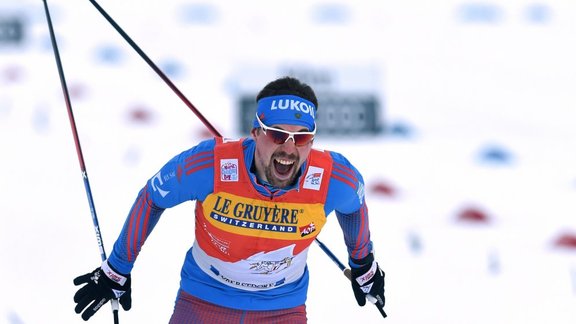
(269,172)
(279,183)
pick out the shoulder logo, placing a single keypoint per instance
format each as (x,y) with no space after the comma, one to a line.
(229,170)
(156,182)
(313,178)
(360,192)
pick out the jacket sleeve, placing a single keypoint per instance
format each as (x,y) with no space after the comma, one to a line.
(142,218)
(356,233)
(346,197)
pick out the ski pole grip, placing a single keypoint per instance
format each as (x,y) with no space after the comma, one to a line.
(348,273)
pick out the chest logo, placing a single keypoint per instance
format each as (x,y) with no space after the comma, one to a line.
(229,170)
(313,178)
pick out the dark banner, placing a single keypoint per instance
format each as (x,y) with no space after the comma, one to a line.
(338,113)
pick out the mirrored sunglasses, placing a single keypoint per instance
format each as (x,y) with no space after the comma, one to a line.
(280,136)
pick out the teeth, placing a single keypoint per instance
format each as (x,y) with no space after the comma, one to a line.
(285,162)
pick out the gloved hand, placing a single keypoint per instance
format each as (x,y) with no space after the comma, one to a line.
(368,282)
(102,284)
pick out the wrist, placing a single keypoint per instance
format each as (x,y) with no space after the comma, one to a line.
(113,275)
(359,263)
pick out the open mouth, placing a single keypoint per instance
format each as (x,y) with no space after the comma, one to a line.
(283,168)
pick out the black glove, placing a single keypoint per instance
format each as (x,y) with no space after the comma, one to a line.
(102,284)
(368,282)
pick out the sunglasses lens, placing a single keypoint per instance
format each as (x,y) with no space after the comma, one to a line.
(302,139)
(277,137)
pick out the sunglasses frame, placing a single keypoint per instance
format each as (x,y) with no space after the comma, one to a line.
(290,134)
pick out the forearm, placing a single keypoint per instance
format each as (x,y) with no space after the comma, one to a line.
(142,218)
(355,228)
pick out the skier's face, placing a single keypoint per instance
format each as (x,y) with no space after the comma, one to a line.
(278,164)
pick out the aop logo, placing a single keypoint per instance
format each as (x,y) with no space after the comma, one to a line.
(307,230)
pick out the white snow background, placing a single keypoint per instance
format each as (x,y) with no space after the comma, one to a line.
(481,95)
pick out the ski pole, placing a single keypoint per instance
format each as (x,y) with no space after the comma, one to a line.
(114,302)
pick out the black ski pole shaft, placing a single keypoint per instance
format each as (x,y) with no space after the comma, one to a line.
(114,302)
(156,69)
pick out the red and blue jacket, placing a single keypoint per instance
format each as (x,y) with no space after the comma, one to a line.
(251,240)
